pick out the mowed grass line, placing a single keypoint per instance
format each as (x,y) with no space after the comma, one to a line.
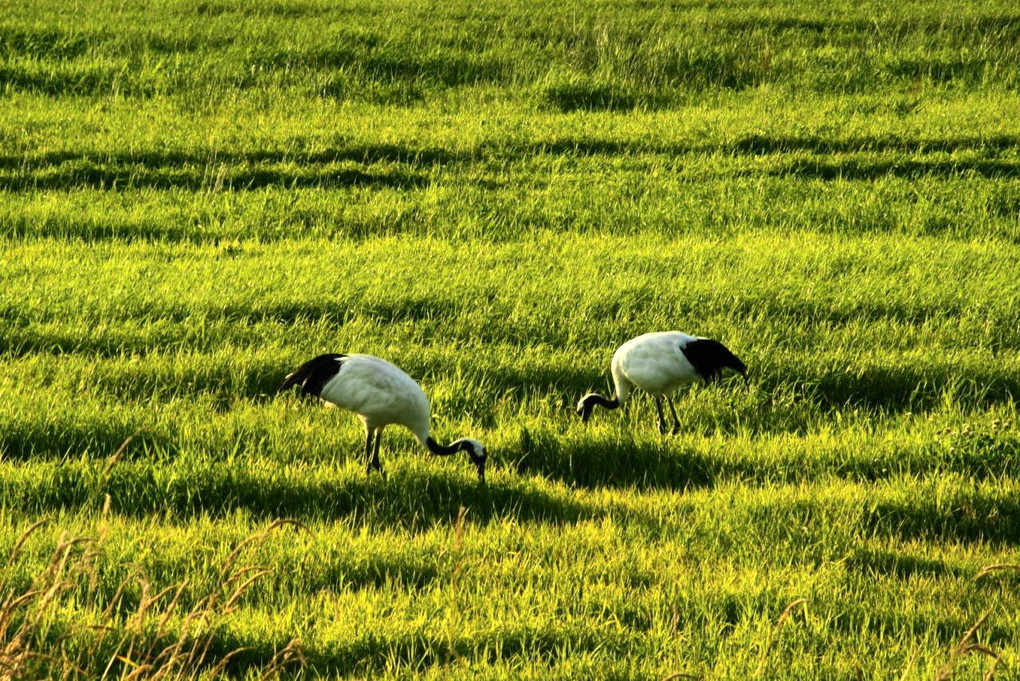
(890,276)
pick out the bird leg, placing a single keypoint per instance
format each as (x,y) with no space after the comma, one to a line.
(676,421)
(368,451)
(375,453)
(658,409)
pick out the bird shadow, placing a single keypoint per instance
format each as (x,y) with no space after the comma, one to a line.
(617,462)
(412,497)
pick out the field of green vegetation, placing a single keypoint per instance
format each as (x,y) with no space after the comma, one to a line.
(198,195)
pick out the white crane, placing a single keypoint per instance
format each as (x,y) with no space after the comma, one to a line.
(659,363)
(381,394)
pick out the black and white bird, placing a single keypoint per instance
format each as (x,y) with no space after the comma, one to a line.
(660,363)
(381,394)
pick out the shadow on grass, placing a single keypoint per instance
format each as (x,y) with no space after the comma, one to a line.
(421,650)
(909,387)
(898,564)
(112,176)
(356,152)
(591,97)
(858,618)
(191,169)
(409,308)
(411,499)
(405,571)
(98,438)
(787,397)
(620,462)
(781,144)
(371,59)
(857,169)
(881,389)
(277,8)
(75,78)
(963,516)
(111,229)
(42,42)
(997,29)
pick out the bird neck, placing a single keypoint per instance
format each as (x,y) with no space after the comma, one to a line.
(589,401)
(601,401)
(621,385)
(443,450)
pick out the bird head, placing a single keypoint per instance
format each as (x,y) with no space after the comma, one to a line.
(476,450)
(585,406)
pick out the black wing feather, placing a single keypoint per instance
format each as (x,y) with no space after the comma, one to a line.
(314,374)
(709,358)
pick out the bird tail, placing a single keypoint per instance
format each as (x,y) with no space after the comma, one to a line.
(733,362)
(709,357)
(737,365)
(314,374)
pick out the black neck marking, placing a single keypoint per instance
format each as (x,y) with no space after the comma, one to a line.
(595,398)
(589,402)
(709,358)
(446,450)
(315,373)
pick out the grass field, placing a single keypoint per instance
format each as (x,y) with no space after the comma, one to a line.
(198,195)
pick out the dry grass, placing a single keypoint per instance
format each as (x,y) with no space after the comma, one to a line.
(159,639)
(965,647)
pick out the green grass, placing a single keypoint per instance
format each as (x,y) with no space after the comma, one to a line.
(198,195)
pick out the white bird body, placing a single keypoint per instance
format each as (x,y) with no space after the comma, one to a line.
(381,394)
(660,363)
(654,362)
